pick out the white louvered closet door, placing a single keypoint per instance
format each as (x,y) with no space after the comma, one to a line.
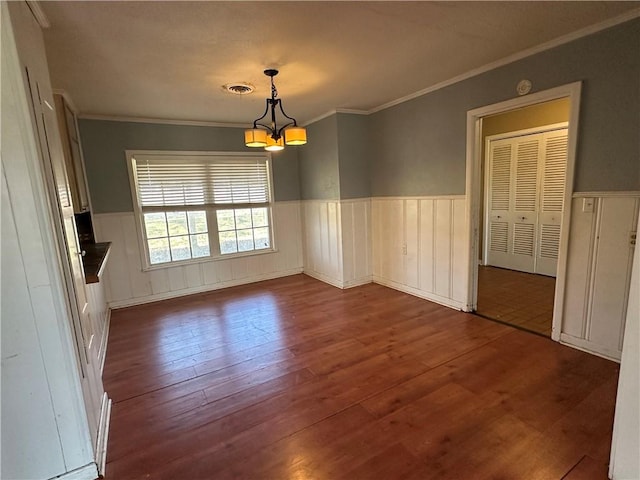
(499,241)
(525,189)
(553,173)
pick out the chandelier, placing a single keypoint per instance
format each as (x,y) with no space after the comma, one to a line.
(271,136)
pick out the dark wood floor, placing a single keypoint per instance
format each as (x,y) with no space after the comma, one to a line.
(295,379)
(517,298)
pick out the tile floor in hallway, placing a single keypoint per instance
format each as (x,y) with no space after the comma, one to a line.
(521,299)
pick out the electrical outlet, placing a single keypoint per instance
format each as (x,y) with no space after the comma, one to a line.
(404,249)
(633,236)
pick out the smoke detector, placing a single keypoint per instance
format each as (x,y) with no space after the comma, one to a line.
(239,88)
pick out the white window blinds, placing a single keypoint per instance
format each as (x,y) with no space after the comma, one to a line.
(197,181)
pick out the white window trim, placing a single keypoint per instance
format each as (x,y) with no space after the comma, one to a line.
(215,254)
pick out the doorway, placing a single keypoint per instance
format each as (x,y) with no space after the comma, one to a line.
(523,169)
(525,290)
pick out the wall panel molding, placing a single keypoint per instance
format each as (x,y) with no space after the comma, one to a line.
(599,273)
(413,244)
(422,197)
(420,247)
(337,241)
(127,284)
(605,194)
(356,242)
(417,245)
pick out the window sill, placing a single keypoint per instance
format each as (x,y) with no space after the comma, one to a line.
(218,258)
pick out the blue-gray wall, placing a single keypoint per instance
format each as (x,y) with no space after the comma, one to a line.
(104,144)
(335,163)
(319,173)
(418,147)
(353,156)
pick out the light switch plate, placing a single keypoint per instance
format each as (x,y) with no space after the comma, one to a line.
(587,205)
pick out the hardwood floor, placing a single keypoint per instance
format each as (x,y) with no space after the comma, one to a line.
(521,299)
(295,379)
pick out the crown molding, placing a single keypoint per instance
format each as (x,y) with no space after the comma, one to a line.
(320,117)
(612,22)
(333,112)
(351,111)
(196,123)
(191,123)
(630,15)
(38,13)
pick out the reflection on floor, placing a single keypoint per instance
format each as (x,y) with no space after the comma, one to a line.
(521,299)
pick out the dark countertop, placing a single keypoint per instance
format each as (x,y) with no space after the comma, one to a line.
(94,260)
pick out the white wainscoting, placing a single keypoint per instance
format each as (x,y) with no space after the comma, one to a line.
(127,284)
(323,240)
(414,244)
(599,271)
(420,247)
(337,241)
(357,267)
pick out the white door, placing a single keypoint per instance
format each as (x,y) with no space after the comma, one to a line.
(553,174)
(524,201)
(70,253)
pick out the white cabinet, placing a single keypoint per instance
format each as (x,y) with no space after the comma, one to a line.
(70,140)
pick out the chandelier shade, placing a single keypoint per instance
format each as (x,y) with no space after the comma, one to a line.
(273,136)
(274,145)
(255,137)
(295,136)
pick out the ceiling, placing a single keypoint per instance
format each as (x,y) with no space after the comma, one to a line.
(169,60)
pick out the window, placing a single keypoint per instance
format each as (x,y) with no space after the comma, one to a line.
(192,206)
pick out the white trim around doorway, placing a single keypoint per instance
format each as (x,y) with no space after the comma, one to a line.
(474,179)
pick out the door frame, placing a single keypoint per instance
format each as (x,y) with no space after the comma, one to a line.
(474,179)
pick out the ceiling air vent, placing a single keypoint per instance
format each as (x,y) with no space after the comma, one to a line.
(240,88)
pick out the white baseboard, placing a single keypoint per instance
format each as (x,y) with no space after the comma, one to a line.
(129,302)
(339,283)
(358,281)
(103,434)
(432,297)
(589,347)
(87,472)
(324,278)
